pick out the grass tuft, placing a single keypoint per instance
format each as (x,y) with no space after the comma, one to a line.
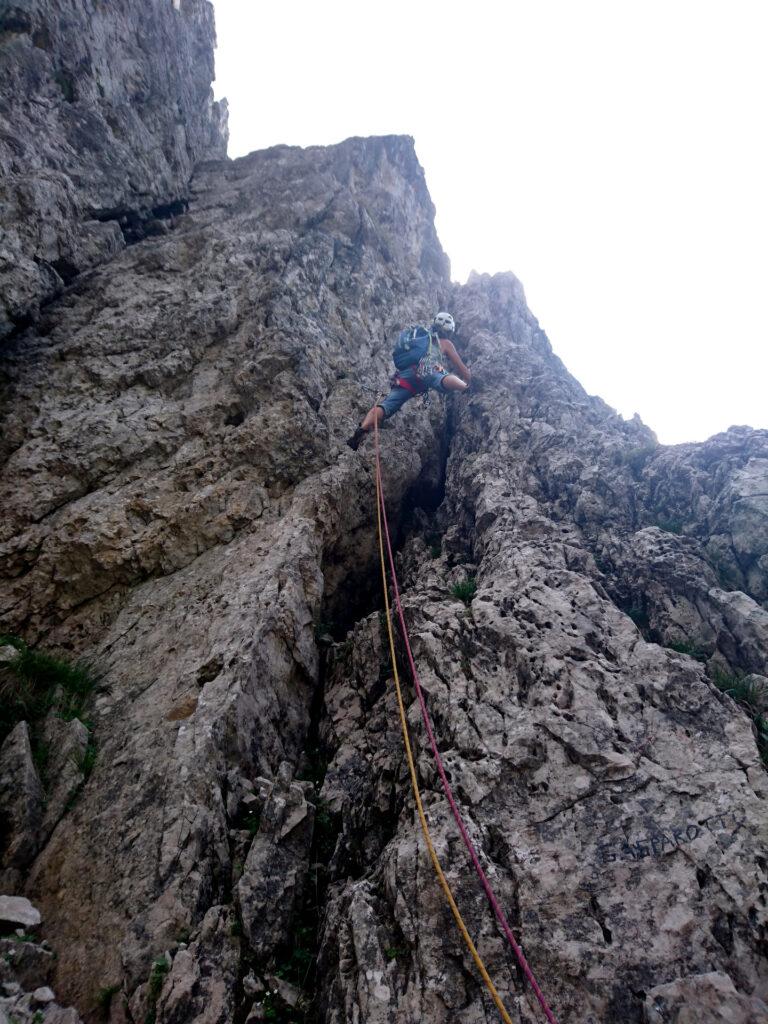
(671,525)
(396,952)
(104,1000)
(640,617)
(160,968)
(750,695)
(35,683)
(692,650)
(465,590)
(637,458)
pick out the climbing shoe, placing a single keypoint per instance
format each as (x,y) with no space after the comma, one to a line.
(357,437)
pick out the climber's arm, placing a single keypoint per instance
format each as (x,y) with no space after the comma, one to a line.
(448,350)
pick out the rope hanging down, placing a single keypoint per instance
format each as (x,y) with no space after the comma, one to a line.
(412,767)
(501,917)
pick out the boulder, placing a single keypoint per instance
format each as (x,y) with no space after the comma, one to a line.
(18,911)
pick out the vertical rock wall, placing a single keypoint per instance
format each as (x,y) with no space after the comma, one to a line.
(616,796)
(106,108)
(180,508)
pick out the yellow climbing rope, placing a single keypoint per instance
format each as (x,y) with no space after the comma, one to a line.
(412,767)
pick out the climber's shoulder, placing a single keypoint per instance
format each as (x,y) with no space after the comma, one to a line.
(447,347)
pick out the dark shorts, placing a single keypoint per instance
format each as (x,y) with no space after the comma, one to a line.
(398,396)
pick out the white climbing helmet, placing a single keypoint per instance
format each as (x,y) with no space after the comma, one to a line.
(444,323)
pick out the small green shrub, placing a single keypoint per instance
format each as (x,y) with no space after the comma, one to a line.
(749,694)
(604,564)
(273,1008)
(636,458)
(640,617)
(35,683)
(692,650)
(670,525)
(160,968)
(88,760)
(252,822)
(761,728)
(395,952)
(465,590)
(270,1005)
(104,1000)
(434,543)
(296,968)
(67,85)
(744,691)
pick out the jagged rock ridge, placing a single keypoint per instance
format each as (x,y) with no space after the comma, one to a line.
(180,507)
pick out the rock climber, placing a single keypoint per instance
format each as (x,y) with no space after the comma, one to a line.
(427,373)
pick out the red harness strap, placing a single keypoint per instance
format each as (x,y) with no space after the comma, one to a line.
(407,385)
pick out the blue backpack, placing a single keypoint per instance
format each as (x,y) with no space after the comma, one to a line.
(411,347)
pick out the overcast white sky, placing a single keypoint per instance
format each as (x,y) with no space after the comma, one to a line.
(612,153)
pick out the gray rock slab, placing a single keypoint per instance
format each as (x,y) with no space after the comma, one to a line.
(101,133)
(179,504)
(21,803)
(67,743)
(17,910)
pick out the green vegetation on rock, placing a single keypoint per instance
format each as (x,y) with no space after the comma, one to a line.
(750,695)
(34,683)
(465,590)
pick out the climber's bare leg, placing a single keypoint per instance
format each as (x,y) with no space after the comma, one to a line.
(452,383)
(374,414)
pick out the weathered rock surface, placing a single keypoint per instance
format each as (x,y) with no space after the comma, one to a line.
(179,506)
(277,862)
(106,108)
(618,801)
(21,806)
(202,982)
(67,743)
(26,965)
(183,513)
(18,911)
(702,997)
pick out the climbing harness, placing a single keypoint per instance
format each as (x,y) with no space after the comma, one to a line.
(381,515)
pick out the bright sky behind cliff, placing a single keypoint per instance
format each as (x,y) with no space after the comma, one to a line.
(612,154)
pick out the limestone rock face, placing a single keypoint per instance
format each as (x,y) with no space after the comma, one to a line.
(277,862)
(710,997)
(203,980)
(106,108)
(610,788)
(21,806)
(26,964)
(67,742)
(180,508)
